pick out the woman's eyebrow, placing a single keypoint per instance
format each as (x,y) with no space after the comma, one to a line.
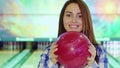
(71,12)
(68,12)
(79,13)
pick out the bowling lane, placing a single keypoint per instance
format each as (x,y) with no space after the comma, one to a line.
(118,58)
(114,63)
(5,55)
(33,60)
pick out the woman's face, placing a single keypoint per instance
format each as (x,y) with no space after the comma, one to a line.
(72,19)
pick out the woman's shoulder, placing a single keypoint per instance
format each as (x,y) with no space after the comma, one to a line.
(100,49)
(46,50)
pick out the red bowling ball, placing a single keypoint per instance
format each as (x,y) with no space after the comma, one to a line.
(73,49)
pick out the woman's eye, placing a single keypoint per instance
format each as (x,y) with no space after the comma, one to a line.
(79,16)
(68,15)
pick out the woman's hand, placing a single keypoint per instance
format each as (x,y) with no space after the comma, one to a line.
(52,56)
(92,51)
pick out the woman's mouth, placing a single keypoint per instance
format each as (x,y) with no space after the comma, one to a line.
(74,26)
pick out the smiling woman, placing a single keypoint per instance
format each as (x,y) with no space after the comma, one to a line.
(75,16)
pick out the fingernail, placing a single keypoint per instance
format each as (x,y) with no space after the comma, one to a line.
(56,48)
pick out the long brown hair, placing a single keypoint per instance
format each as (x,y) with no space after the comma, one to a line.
(86,18)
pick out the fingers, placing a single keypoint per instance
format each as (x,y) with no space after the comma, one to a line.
(90,61)
(92,51)
(53,49)
(53,45)
(52,55)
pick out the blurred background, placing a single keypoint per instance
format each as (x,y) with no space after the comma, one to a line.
(28,26)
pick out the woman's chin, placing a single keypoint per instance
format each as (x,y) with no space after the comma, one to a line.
(74,30)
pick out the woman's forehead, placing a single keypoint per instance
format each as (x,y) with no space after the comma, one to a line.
(73,7)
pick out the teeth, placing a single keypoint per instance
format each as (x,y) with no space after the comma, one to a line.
(73,26)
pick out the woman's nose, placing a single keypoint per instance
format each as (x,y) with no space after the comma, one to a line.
(74,19)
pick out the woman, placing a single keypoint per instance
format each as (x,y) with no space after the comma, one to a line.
(75,16)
